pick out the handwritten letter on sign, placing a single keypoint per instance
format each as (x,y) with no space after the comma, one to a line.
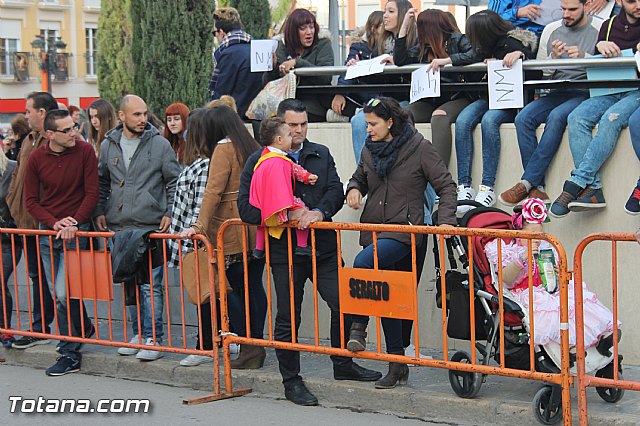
(262,55)
(505,85)
(424,84)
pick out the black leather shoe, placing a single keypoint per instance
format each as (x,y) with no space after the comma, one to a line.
(355,372)
(299,394)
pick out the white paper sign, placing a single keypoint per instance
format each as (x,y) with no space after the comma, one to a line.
(505,85)
(366,67)
(424,84)
(638,60)
(262,55)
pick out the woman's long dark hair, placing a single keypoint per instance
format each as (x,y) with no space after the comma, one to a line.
(296,19)
(374,29)
(197,144)
(434,30)
(107,116)
(389,108)
(222,122)
(484,29)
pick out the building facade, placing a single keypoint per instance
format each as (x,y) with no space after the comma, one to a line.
(73,77)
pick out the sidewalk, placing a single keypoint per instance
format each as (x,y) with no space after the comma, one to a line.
(428,395)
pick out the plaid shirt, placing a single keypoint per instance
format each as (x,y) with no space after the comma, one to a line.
(234,37)
(186,205)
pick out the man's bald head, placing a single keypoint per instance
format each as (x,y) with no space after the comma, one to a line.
(131,101)
(133,115)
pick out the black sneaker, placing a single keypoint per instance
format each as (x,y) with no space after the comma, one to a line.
(303,251)
(258,254)
(27,341)
(633,203)
(589,198)
(64,365)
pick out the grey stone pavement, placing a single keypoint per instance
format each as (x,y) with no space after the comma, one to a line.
(428,395)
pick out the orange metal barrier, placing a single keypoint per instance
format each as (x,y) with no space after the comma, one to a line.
(88,278)
(401,301)
(604,386)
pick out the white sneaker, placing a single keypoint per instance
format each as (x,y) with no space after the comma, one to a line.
(193,360)
(332,117)
(465,193)
(148,354)
(486,196)
(130,351)
(234,348)
(411,351)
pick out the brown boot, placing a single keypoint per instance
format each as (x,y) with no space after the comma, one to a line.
(398,374)
(250,358)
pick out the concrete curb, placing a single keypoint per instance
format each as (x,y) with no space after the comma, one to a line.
(433,402)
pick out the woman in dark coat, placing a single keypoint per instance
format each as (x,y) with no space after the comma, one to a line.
(304,47)
(397,164)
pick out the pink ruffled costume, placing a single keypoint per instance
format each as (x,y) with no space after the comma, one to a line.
(598,319)
(271,191)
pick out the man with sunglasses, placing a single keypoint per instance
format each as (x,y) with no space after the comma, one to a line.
(61,192)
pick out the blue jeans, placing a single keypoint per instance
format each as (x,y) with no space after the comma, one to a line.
(389,252)
(257,298)
(53,263)
(552,110)
(146,318)
(634,131)
(491,120)
(611,113)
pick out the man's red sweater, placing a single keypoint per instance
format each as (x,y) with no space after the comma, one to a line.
(57,185)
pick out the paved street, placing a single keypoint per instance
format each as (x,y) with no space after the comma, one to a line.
(166,404)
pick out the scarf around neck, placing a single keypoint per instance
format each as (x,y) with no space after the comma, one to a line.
(384,154)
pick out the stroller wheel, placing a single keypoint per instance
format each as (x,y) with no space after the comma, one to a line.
(610,395)
(464,384)
(545,409)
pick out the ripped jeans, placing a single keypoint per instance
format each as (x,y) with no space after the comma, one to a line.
(611,113)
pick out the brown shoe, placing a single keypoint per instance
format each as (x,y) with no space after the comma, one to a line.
(536,193)
(513,196)
(250,358)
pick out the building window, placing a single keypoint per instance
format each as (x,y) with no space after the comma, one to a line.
(8,46)
(49,37)
(364,9)
(91,38)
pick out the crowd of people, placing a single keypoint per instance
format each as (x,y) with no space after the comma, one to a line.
(197,168)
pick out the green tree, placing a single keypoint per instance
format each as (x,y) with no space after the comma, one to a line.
(114,66)
(172,50)
(255,16)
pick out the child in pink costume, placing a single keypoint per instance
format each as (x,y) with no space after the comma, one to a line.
(272,186)
(598,319)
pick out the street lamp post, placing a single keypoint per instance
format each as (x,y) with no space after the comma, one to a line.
(46,62)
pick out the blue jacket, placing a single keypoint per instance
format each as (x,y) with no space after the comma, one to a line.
(235,78)
(508,9)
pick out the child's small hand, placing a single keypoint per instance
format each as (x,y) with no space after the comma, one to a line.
(313,179)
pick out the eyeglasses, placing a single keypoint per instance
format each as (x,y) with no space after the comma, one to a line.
(375,102)
(66,131)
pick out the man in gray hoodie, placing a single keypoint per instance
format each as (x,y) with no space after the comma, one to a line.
(138,172)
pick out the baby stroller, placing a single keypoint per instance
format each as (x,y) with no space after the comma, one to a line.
(547,404)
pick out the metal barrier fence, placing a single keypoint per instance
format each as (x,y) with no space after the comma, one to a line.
(87,277)
(467,368)
(609,388)
(528,65)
